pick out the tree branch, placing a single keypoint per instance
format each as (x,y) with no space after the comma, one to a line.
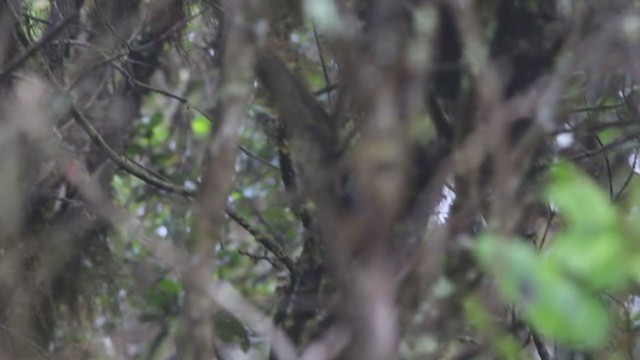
(266,241)
(17,63)
(125,164)
(145,175)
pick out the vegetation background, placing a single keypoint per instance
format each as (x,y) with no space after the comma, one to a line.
(319,179)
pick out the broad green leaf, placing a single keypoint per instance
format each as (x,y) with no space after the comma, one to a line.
(480,318)
(597,260)
(551,302)
(512,261)
(584,205)
(563,311)
(593,250)
(201,126)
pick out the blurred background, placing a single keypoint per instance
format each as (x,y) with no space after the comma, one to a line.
(319,179)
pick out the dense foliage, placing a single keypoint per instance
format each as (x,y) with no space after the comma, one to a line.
(317,179)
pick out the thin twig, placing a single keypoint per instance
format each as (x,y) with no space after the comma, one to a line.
(540,347)
(37,348)
(269,229)
(266,241)
(595,127)
(257,258)
(599,107)
(607,147)
(256,157)
(173,96)
(146,176)
(17,63)
(552,214)
(138,164)
(327,89)
(608,166)
(123,163)
(628,179)
(107,23)
(186,102)
(109,59)
(129,49)
(325,73)
(35,18)
(94,67)
(627,319)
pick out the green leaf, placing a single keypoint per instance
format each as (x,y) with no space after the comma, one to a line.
(156,119)
(201,126)
(159,134)
(165,296)
(169,287)
(165,159)
(567,313)
(513,262)
(593,249)
(581,201)
(230,330)
(236,195)
(551,302)
(599,260)
(609,135)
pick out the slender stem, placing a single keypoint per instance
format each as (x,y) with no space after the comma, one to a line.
(148,177)
(17,63)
